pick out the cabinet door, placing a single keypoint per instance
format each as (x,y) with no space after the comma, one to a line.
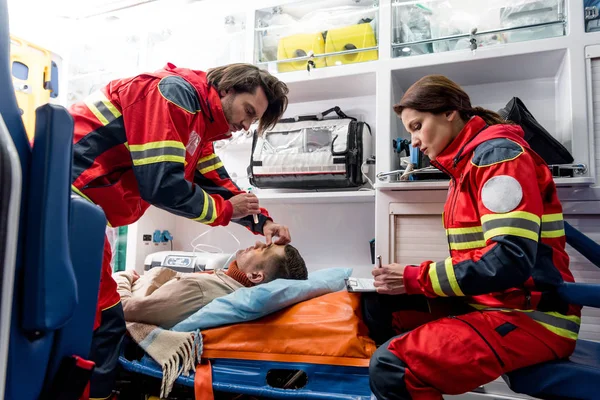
(418,238)
(593,87)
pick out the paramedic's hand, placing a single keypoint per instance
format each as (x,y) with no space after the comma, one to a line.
(271,229)
(244,204)
(134,277)
(389,279)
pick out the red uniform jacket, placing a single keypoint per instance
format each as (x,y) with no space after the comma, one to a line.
(505,229)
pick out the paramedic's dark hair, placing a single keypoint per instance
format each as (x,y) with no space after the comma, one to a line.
(437,94)
(290,266)
(246,78)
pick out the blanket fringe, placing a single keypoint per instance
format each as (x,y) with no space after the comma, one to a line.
(182,362)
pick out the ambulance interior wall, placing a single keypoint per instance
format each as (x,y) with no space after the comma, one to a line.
(542,81)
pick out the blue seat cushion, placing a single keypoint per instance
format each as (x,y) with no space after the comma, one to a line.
(575,378)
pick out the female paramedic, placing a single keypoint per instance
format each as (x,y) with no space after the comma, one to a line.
(506,236)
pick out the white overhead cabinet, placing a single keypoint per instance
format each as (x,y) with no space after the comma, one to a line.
(315,34)
(436,26)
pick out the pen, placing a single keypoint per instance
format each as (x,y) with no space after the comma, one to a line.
(379,262)
(254,216)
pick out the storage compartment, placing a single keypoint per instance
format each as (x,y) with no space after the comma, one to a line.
(417,238)
(542,80)
(437,26)
(315,34)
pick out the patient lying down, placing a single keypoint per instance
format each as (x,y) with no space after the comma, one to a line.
(164,297)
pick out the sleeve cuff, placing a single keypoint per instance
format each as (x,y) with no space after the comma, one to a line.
(226,213)
(411,279)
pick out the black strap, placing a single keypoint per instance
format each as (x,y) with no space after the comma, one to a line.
(318,117)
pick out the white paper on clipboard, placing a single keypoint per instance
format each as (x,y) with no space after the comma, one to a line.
(360,285)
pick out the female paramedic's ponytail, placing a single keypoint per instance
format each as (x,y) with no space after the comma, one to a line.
(490,117)
(437,94)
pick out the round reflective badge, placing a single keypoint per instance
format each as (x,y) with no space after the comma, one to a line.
(501,194)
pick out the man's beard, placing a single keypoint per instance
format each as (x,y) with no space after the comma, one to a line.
(227,104)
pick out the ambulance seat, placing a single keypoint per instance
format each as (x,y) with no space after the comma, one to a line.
(58,254)
(579,376)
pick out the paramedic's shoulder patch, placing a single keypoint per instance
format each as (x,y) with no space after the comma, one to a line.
(495,151)
(180,92)
(501,194)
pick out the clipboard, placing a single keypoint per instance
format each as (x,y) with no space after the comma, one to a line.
(360,285)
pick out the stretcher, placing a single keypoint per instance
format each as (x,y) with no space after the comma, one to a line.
(317,349)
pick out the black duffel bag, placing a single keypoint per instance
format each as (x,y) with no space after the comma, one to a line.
(550,149)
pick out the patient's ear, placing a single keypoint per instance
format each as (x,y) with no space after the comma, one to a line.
(256,277)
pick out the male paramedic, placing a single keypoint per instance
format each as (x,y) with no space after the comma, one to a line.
(164,297)
(148,140)
(506,236)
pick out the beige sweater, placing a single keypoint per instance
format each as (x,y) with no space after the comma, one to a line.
(164,297)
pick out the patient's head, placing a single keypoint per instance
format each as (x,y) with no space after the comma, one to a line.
(264,263)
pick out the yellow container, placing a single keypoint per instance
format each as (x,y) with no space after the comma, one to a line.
(31,72)
(349,38)
(299,46)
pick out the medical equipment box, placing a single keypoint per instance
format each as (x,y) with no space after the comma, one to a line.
(187,261)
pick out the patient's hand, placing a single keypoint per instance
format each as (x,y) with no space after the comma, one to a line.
(134,277)
(389,279)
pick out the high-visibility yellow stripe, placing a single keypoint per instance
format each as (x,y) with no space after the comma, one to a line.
(214,213)
(525,233)
(559,331)
(157,159)
(211,168)
(463,231)
(542,318)
(553,234)
(435,282)
(515,214)
(96,112)
(207,158)
(113,110)
(98,100)
(452,277)
(156,145)
(552,217)
(478,306)
(204,217)
(467,245)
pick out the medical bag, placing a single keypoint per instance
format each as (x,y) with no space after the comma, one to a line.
(311,152)
(540,140)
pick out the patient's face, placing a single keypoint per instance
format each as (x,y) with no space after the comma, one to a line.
(249,259)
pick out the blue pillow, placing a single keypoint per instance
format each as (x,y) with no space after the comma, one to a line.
(247,304)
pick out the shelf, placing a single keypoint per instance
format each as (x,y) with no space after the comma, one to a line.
(487,65)
(437,185)
(532,49)
(272,196)
(337,82)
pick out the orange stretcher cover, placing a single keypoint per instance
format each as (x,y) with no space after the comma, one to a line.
(325,330)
